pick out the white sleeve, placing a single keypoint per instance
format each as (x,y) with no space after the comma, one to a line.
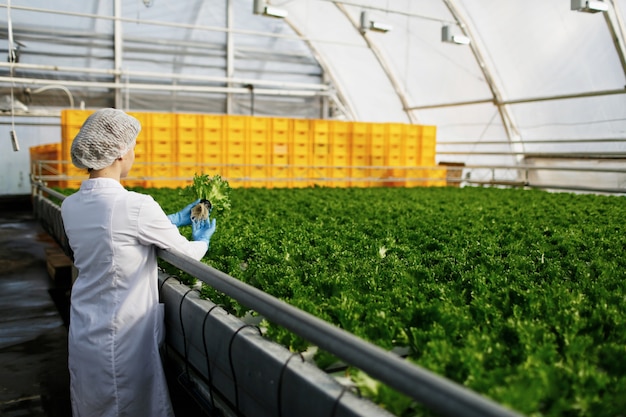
(156,229)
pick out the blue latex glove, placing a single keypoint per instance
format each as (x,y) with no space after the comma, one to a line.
(203,230)
(183,217)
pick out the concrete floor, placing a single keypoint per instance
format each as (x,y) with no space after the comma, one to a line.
(34,380)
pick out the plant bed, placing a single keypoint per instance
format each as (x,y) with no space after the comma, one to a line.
(519,295)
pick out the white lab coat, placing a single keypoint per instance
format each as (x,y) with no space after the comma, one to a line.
(116,320)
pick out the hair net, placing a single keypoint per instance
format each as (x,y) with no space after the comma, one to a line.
(105,136)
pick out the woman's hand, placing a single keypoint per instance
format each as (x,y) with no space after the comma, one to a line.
(183,217)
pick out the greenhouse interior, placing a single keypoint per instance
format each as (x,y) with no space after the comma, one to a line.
(423,201)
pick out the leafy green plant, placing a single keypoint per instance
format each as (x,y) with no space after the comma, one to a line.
(515,294)
(212,189)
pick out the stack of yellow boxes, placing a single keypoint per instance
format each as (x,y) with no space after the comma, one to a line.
(44,160)
(281,171)
(266,152)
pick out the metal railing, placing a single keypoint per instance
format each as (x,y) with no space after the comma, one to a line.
(522,175)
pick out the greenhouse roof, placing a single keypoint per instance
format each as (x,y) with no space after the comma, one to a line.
(532,69)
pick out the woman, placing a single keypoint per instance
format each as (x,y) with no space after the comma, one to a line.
(116,320)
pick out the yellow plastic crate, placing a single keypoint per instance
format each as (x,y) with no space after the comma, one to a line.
(378,170)
(211,122)
(319,172)
(49,152)
(259,148)
(361,134)
(161,157)
(235,169)
(340,139)
(289,147)
(236,128)
(187,146)
(300,169)
(143,139)
(301,149)
(301,131)
(437,177)
(359,171)
(160,129)
(235,147)
(320,148)
(340,133)
(280,130)
(280,172)
(259,128)
(427,154)
(427,145)
(281,177)
(258,170)
(187,158)
(185,174)
(395,160)
(187,121)
(338,160)
(211,146)
(417,177)
(75,117)
(396,134)
(162,120)
(210,158)
(396,144)
(339,170)
(378,134)
(161,175)
(319,132)
(279,148)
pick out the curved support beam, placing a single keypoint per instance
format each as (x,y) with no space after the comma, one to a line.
(616,26)
(339,98)
(384,65)
(506,117)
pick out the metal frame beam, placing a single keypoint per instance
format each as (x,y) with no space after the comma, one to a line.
(507,119)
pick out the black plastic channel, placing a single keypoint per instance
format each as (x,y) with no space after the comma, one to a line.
(437,393)
(250,375)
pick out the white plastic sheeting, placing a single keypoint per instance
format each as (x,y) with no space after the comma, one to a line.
(535,70)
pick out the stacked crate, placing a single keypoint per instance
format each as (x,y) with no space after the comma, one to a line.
(360,155)
(141,168)
(378,151)
(187,140)
(49,152)
(280,147)
(301,152)
(236,138)
(268,152)
(413,156)
(436,175)
(340,141)
(212,146)
(396,155)
(319,160)
(258,152)
(161,129)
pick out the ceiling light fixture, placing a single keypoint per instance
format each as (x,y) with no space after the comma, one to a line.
(260,7)
(589,6)
(368,24)
(447,36)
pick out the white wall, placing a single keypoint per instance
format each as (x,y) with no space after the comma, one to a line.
(15,166)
